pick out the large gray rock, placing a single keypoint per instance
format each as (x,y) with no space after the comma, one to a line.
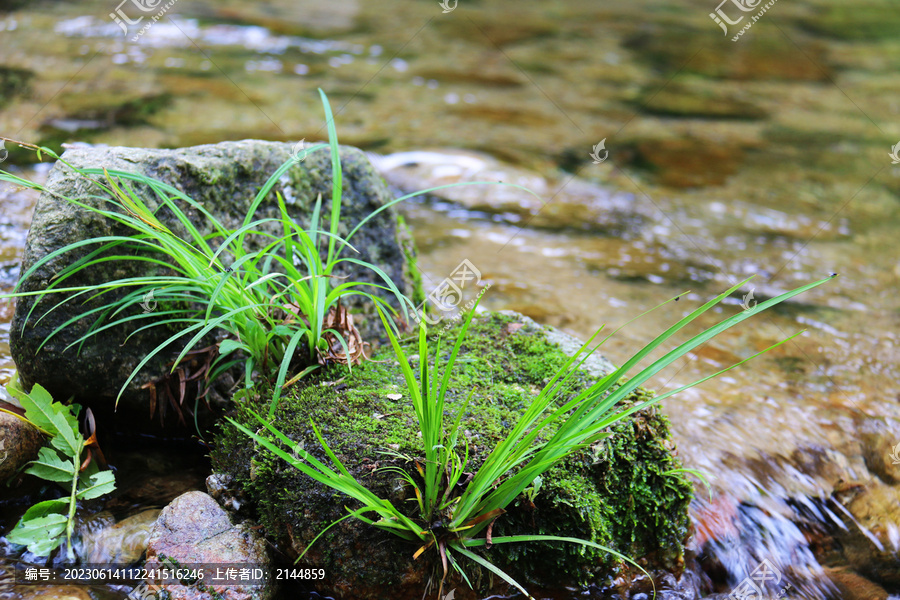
(224,178)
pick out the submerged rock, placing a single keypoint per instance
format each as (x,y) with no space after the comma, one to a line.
(688,162)
(100,110)
(871,539)
(224,178)
(765,57)
(123,542)
(549,203)
(622,493)
(881,448)
(861,22)
(688,98)
(855,587)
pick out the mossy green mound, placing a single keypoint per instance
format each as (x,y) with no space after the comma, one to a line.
(620,494)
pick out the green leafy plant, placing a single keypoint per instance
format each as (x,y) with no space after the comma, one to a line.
(43,526)
(550,429)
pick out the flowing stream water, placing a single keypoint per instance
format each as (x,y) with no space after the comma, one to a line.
(767,156)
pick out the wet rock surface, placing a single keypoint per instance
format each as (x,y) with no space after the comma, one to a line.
(19,444)
(224,178)
(855,587)
(871,540)
(194,529)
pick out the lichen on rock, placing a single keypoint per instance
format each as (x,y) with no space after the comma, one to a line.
(621,494)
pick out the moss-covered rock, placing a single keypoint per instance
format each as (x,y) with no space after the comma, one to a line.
(224,178)
(621,493)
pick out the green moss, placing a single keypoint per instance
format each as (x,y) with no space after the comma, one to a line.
(616,494)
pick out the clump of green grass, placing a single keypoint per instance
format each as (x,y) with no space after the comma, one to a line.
(273,303)
(452,516)
(279,306)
